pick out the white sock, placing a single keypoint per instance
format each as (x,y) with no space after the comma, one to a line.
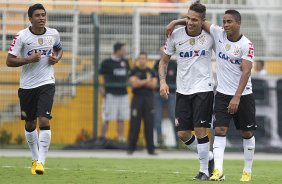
(32,141)
(249,150)
(203,154)
(218,151)
(210,155)
(44,142)
(192,144)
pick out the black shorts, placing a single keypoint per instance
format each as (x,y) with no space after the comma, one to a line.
(244,118)
(193,110)
(36,102)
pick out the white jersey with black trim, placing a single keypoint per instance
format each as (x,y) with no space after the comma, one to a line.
(194,67)
(229,57)
(40,73)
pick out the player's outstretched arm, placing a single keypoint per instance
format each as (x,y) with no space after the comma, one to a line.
(246,67)
(170,27)
(164,89)
(14,61)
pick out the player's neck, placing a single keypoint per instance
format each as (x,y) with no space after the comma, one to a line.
(235,37)
(37,31)
(194,33)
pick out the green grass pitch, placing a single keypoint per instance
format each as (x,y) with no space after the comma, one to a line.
(128,171)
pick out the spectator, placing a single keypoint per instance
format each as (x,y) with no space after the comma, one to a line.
(259,68)
(161,102)
(114,91)
(143,81)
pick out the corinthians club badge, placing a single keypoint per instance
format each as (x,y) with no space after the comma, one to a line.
(192,41)
(227,47)
(40,41)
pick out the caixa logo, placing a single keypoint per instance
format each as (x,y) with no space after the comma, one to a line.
(227,58)
(43,52)
(192,53)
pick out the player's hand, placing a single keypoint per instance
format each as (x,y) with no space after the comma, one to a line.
(169,28)
(164,89)
(53,59)
(233,105)
(34,57)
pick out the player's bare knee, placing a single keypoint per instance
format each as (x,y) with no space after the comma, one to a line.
(200,132)
(247,134)
(30,125)
(184,135)
(221,131)
(43,122)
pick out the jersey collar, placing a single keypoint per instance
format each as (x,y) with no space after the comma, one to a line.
(235,40)
(35,33)
(186,30)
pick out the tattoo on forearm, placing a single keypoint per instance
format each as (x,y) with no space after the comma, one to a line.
(162,71)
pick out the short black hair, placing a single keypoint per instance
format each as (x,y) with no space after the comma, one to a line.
(261,62)
(143,53)
(34,7)
(118,46)
(199,8)
(235,14)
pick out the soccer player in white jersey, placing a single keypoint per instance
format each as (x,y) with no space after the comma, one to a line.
(194,85)
(39,48)
(234,98)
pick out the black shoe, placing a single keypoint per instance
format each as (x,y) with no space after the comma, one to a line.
(211,166)
(201,176)
(153,153)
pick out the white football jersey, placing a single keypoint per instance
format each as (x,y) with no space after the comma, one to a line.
(194,67)
(229,56)
(40,73)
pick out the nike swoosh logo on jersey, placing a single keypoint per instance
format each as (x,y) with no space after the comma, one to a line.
(29,43)
(219,41)
(203,121)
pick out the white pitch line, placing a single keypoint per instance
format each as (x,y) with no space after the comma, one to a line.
(103,170)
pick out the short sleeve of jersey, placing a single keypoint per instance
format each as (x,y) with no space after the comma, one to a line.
(57,44)
(16,45)
(248,52)
(215,31)
(169,48)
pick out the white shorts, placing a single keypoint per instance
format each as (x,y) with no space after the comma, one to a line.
(115,107)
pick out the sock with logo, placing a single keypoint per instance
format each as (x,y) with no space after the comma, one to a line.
(203,154)
(44,143)
(32,141)
(249,150)
(218,151)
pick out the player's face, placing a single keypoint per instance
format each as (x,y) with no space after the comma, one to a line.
(230,25)
(122,52)
(38,18)
(142,60)
(194,22)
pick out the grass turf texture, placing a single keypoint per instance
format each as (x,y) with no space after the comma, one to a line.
(128,171)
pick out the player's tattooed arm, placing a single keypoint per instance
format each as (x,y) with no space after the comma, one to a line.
(164,89)
(163,68)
